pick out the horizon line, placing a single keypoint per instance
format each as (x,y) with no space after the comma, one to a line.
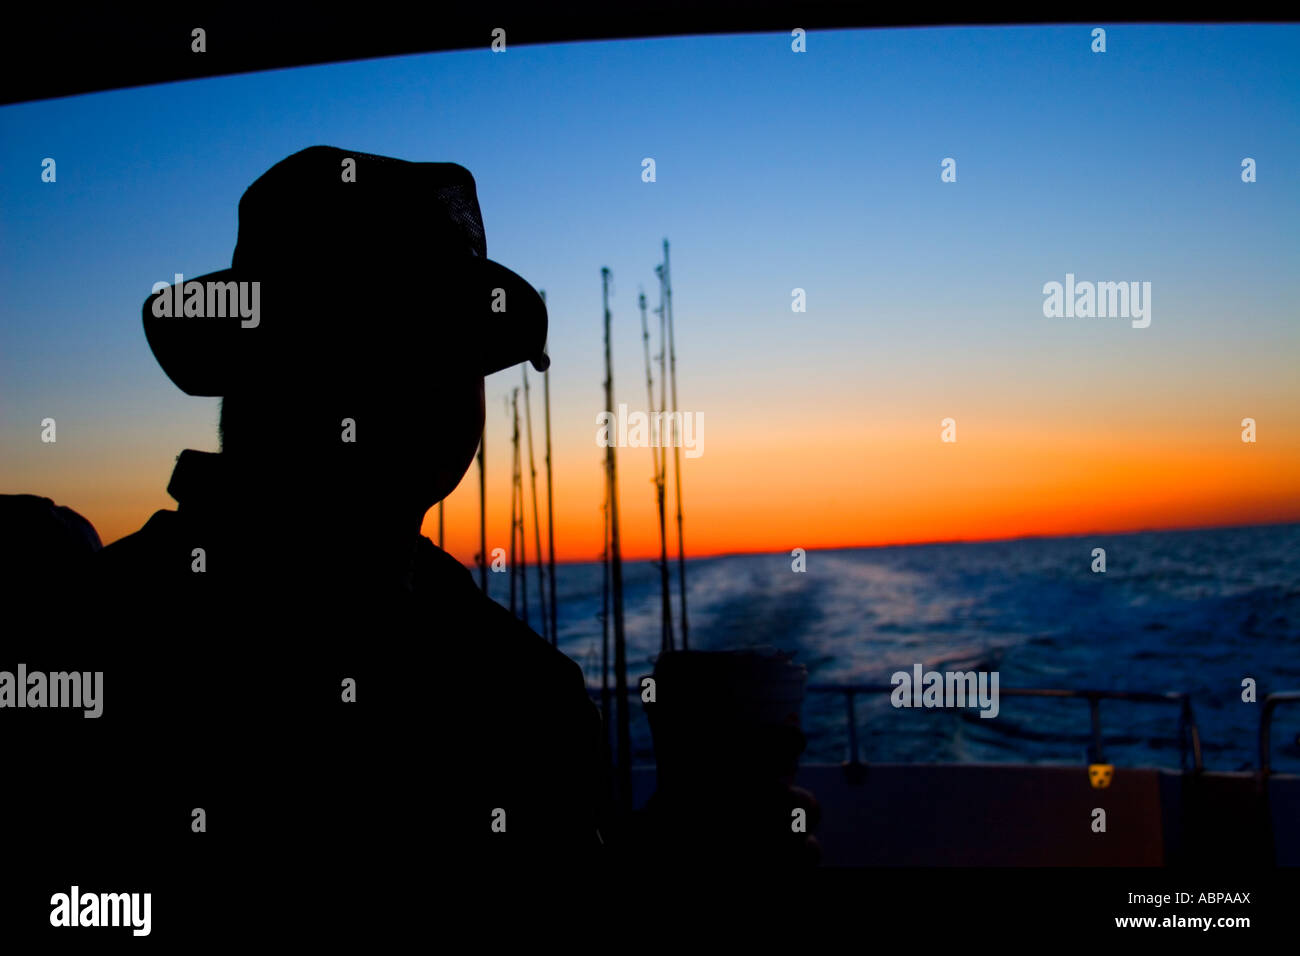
(936,541)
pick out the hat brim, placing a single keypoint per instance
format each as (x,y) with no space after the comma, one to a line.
(488,317)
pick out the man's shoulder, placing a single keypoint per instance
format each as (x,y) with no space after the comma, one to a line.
(140,548)
(516,653)
(531,654)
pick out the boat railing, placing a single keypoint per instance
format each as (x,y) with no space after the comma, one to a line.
(1188,732)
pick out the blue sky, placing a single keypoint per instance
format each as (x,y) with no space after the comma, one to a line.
(775,170)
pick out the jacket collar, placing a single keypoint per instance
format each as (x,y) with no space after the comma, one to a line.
(203,487)
(197,478)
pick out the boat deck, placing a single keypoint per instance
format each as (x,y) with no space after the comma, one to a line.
(1036,815)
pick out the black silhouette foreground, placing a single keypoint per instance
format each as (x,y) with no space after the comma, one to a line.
(305,703)
(287,652)
(43,544)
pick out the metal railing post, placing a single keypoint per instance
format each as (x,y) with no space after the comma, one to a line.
(1265,725)
(1094,714)
(854,771)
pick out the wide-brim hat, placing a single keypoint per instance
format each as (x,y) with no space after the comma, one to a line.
(347,257)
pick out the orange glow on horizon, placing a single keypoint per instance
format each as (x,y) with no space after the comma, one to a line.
(811,487)
(823,495)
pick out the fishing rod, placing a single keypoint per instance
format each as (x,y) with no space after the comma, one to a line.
(537,518)
(616,573)
(550,499)
(514,603)
(658,454)
(482,511)
(517,513)
(604,625)
(677,451)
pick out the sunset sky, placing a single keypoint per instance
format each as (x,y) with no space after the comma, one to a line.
(775,171)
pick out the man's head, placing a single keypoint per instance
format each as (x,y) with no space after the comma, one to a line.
(398,442)
(379,314)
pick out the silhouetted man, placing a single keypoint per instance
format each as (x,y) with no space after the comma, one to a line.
(339,689)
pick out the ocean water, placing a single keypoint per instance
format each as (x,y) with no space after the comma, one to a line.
(1188,611)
